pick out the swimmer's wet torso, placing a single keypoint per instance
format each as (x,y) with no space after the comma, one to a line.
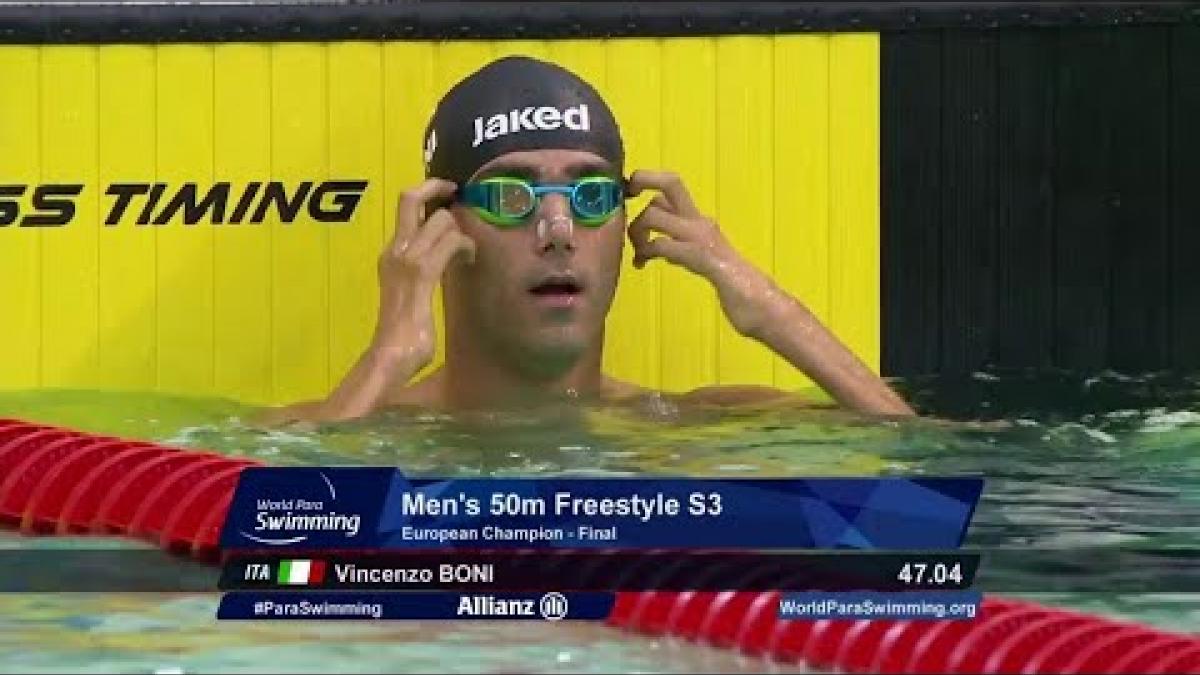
(524,225)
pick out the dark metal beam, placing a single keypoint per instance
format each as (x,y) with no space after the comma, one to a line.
(206,21)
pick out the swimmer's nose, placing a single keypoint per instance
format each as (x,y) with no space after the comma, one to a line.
(555,234)
(555,228)
(553,205)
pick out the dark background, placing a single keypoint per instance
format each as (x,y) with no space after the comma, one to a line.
(1041,198)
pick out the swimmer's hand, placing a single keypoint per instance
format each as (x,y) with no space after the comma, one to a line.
(410,267)
(694,241)
(754,305)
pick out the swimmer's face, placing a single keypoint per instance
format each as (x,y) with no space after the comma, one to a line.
(538,294)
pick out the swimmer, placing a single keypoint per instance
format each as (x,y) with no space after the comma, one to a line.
(522,220)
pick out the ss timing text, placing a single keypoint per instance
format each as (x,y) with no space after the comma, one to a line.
(54,205)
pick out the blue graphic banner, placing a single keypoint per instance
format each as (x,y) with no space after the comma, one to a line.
(316,606)
(347,508)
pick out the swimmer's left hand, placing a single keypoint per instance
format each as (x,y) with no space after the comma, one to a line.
(754,305)
(695,242)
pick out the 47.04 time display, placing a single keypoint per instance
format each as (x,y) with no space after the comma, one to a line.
(930,574)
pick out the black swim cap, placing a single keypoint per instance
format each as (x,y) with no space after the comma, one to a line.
(517,103)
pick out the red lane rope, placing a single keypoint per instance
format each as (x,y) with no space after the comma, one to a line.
(63,481)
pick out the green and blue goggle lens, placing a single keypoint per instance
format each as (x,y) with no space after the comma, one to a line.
(508,202)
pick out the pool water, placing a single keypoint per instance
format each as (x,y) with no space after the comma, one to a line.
(1091,479)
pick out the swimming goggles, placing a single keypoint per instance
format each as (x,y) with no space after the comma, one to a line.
(508,202)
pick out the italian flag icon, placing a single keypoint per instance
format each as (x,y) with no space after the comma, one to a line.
(301,572)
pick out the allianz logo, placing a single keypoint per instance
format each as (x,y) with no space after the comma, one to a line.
(541,118)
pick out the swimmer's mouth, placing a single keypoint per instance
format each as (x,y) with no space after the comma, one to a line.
(557,286)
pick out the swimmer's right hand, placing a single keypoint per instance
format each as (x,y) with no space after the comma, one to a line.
(426,240)
(410,268)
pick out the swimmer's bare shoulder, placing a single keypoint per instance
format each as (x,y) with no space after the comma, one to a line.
(429,394)
(425,394)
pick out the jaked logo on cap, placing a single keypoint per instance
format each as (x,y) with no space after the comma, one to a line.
(544,118)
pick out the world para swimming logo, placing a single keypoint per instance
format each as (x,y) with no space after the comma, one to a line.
(304,509)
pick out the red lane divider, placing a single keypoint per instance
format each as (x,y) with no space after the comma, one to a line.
(117,510)
(58,480)
(758,624)
(721,623)
(150,518)
(18,483)
(14,450)
(1010,654)
(208,534)
(855,653)
(1186,661)
(85,499)
(1092,658)
(1139,659)
(686,616)
(185,523)
(969,650)
(45,508)
(1056,653)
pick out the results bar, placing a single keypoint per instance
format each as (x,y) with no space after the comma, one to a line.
(600,571)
